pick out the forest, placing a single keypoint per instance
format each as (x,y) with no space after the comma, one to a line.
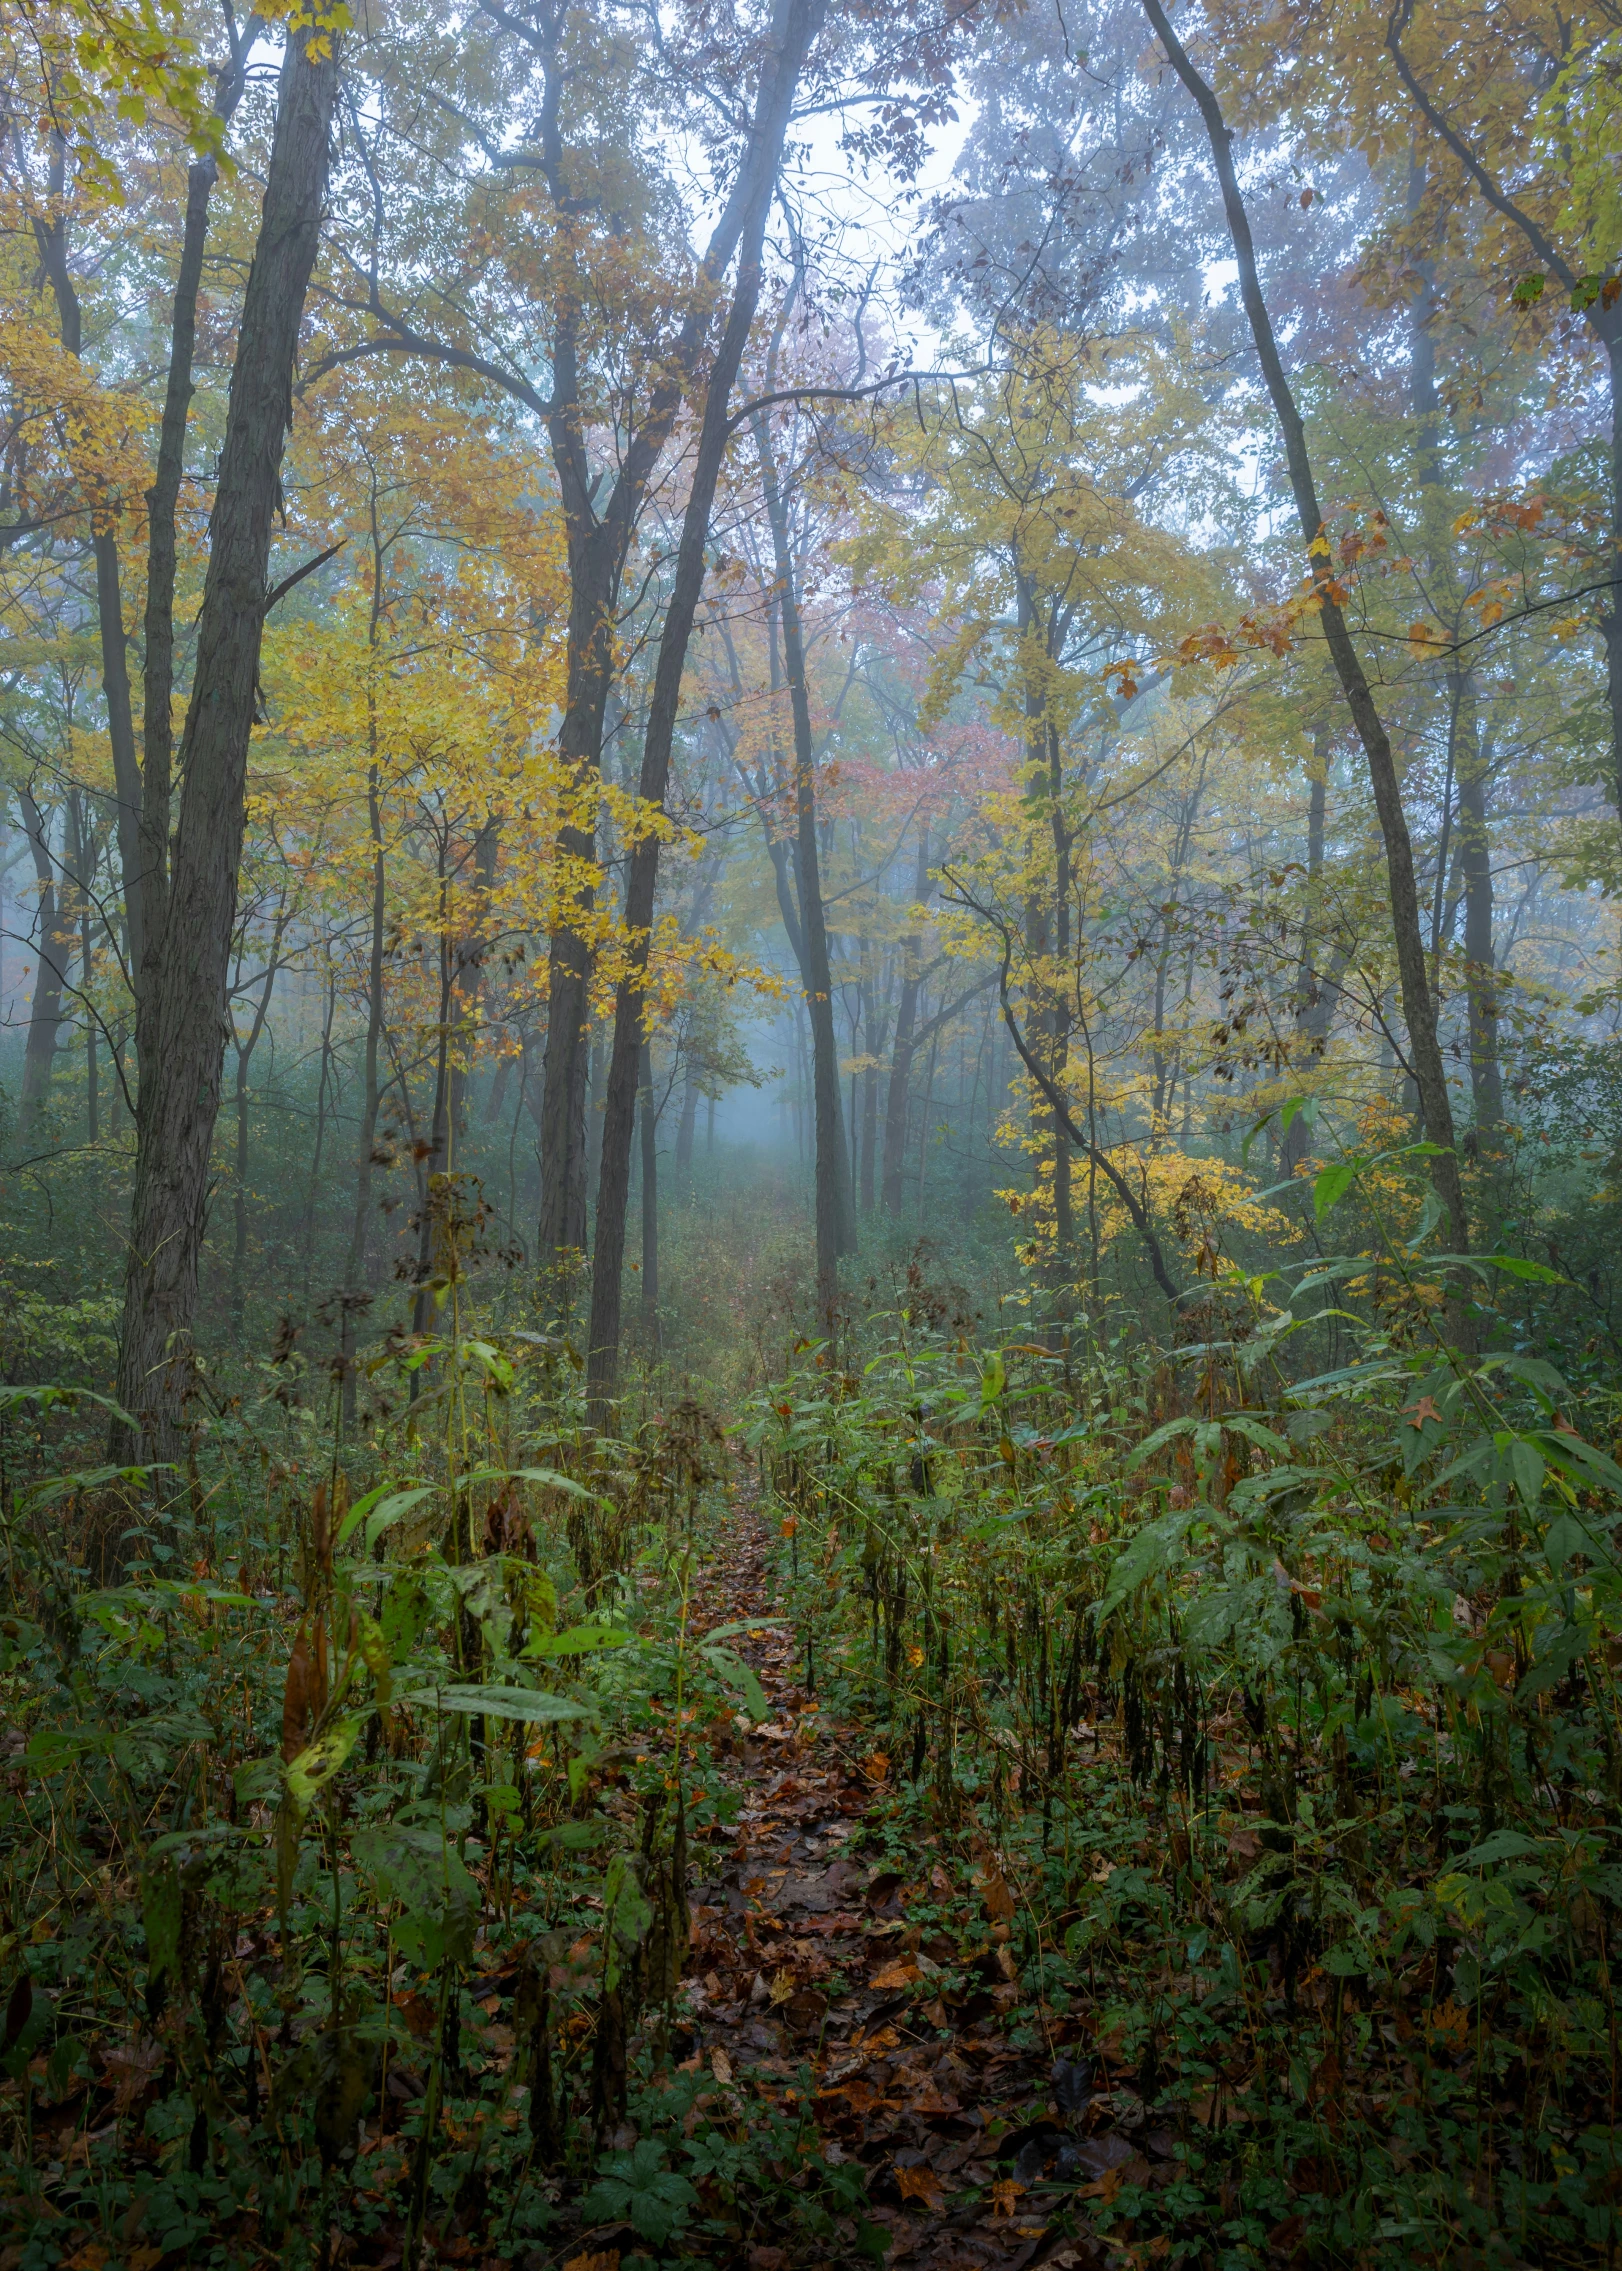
(810,1134)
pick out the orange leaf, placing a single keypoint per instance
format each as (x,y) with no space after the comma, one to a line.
(922,2185)
(1003,2195)
(901,1973)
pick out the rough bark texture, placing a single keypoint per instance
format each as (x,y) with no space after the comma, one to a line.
(1419,1011)
(149,864)
(180,1087)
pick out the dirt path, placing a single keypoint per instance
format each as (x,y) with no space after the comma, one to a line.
(813,1949)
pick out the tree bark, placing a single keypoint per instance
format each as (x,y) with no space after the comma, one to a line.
(150,869)
(180,1085)
(1419,1011)
(244,1053)
(648,1121)
(54,930)
(906,1017)
(779,77)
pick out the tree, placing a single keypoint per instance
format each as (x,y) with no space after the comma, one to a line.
(184,1020)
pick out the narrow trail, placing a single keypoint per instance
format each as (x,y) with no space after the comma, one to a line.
(890,1984)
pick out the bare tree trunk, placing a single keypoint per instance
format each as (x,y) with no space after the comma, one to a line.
(180,1085)
(835,1210)
(1480,962)
(779,76)
(906,1017)
(687,1125)
(53,925)
(371,1094)
(1419,1012)
(244,1052)
(312,1197)
(648,1117)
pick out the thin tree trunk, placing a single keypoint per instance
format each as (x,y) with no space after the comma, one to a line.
(648,1117)
(54,932)
(151,857)
(314,1193)
(688,1123)
(1418,1007)
(835,1211)
(1480,963)
(372,1095)
(906,1017)
(180,1085)
(779,77)
(245,1050)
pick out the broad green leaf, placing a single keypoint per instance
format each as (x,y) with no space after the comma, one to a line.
(416,1864)
(739,1675)
(1146,1554)
(1516,1265)
(388,1511)
(579,1640)
(1333,1182)
(1528,1467)
(309,1773)
(741,1625)
(496,1702)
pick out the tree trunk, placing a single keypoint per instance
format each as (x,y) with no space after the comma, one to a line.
(151,864)
(906,1017)
(245,1050)
(371,1095)
(1480,964)
(53,925)
(1419,1012)
(835,1211)
(779,77)
(688,1123)
(648,1117)
(180,1086)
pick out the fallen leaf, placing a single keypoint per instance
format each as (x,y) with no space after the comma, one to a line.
(902,1973)
(1003,2195)
(922,2185)
(721,2067)
(604,2259)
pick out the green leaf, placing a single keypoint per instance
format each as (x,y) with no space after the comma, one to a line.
(579,1640)
(416,1864)
(309,1773)
(1516,1265)
(1528,1467)
(1333,1182)
(741,1625)
(740,1677)
(389,1508)
(1147,1554)
(1528,290)
(496,1702)
(993,1378)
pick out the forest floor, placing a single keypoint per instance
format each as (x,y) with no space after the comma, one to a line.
(825,1929)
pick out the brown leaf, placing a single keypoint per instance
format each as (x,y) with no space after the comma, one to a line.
(922,2185)
(997,1897)
(902,1973)
(604,2259)
(297,1715)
